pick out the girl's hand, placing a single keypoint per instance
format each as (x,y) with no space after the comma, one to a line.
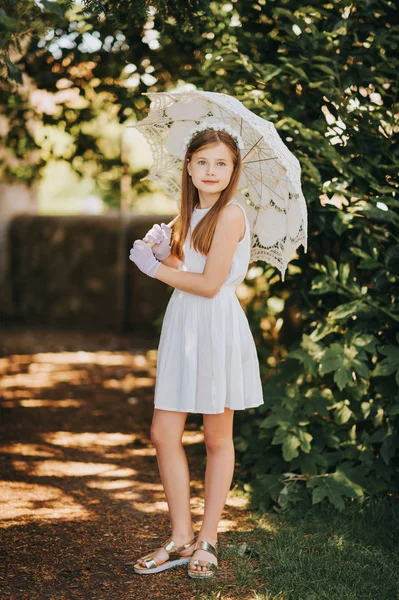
(160,235)
(142,256)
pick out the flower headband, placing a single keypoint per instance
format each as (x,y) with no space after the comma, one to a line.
(208,125)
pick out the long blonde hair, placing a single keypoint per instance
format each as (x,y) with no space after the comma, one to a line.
(202,235)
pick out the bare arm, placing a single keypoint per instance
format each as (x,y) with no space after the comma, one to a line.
(228,232)
(171,261)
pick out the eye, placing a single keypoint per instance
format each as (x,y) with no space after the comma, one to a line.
(200,161)
(222,163)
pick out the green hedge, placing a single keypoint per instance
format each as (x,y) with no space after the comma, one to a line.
(331,416)
(328,337)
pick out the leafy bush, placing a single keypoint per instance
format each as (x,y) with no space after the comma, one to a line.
(330,352)
(331,413)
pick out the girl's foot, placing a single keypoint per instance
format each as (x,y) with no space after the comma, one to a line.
(203,557)
(160,555)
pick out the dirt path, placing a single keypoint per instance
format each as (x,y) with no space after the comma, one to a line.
(80,494)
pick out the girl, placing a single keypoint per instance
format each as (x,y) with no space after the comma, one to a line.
(207,361)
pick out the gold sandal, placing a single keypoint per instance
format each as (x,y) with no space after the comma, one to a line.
(172,550)
(212,568)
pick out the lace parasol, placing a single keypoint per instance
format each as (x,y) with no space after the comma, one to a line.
(270,184)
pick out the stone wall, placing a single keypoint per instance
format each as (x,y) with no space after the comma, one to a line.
(75,271)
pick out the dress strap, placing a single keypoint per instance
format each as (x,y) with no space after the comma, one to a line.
(234,201)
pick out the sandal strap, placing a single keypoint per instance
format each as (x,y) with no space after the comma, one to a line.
(169,546)
(204,545)
(187,544)
(172,549)
(209,565)
(149,561)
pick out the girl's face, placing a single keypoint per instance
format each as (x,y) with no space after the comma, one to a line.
(211,168)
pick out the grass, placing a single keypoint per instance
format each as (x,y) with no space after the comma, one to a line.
(311,554)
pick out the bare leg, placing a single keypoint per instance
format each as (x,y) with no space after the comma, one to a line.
(167,430)
(218,432)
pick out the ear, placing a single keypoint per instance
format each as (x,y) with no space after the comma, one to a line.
(188,167)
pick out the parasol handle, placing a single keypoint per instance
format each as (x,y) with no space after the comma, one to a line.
(151,244)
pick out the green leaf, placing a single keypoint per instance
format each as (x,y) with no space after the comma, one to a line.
(280,415)
(357,474)
(271,483)
(309,463)
(358,389)
(287,14)
(341,222)
(368,263)
(342,377)
(306,359)
(53,7)
(366,408)
(380,216)
(394,409)
(290,447)
(289,441)
(270,73)
(316,350)
(304,438)
(333,358)
(316,401)
(344,270)
(331,439)
(342,412)
(13,70)
(360,365)
(325,69)
(335,487)
(388,447)
(323,328)
(297,70)
(346,310)
(367,341)
(323,285)
(7,22)
(359,252)
(388,365)
(316,84)
(343,360)
(332,266)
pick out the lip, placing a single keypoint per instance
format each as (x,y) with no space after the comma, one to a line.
(208,181)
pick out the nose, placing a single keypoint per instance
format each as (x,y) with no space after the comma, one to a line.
(210,171)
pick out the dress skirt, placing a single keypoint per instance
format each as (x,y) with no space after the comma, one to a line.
(207,357)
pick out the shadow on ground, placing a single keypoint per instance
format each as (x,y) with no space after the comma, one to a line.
(80,494)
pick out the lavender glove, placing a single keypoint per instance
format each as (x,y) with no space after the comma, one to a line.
(142,256)
(161,236)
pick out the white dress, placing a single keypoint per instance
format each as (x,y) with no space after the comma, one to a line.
(207,356)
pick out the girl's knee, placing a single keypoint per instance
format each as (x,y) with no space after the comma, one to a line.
(167,427)
(160,436)
(157,435)
(217,443)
